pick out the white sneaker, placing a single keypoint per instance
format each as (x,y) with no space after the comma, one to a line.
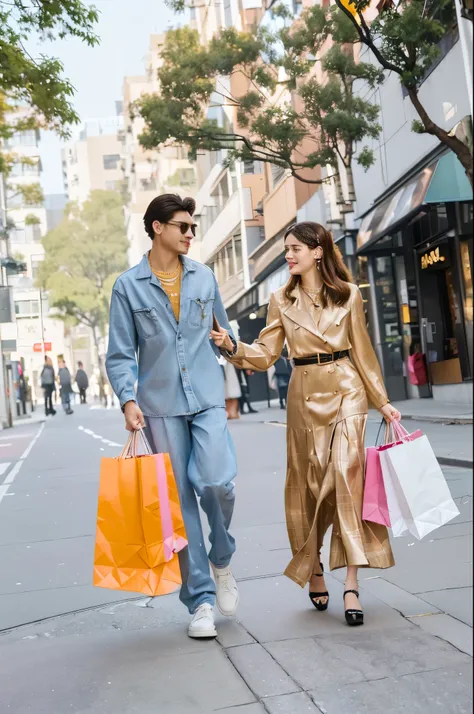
(202,624)
(227,594)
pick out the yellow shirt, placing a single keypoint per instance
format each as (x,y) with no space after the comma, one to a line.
(171,284)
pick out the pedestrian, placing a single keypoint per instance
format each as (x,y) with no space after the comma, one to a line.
(65,384)
(243,376)
(82,381)
(321,316)
(162,310)
(282,378)
(48,382)
(22,394)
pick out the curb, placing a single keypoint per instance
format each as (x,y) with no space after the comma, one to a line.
(461,463)
(438,420)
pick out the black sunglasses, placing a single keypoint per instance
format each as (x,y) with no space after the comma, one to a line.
(183,226)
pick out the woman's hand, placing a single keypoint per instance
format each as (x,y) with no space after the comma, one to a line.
(221,339)
(389,413)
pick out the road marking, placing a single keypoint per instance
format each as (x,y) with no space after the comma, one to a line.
(2,445)
(4,467)
(89,432)
(11,476)
(3,491)
(14,472)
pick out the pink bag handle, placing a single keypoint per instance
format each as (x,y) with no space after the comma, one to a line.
(398,430)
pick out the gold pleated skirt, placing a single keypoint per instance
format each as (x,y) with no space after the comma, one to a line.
(327,415)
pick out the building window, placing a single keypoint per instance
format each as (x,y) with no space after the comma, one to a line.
(27,308)
(249,167)
(111,161)
(228,261)
(33,233)
(23,138)
(278,173)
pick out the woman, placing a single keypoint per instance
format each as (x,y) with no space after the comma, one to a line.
(232,391)
(320,315)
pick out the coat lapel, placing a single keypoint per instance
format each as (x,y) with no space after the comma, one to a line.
(330,315)
(300,316)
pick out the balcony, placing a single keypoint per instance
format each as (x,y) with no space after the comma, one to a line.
(226,223)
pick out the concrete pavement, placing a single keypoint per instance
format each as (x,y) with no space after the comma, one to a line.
(91,652)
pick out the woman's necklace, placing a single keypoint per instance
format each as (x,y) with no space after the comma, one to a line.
(313,294)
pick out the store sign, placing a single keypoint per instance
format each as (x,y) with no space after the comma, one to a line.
(38,347)
(431,257)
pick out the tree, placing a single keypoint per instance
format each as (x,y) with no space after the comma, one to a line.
(84,255)
(299,91)
(37,82)
(34,94)
(404,39)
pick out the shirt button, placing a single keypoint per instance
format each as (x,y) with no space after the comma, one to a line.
(183,369)
(179,337)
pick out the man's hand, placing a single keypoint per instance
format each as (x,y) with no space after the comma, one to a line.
(134,418)
(221,339)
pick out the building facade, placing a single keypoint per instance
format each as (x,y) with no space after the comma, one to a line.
(415,235)
(33,331)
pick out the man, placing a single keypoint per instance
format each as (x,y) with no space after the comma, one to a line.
(64,378)
(82,382)
(162,310)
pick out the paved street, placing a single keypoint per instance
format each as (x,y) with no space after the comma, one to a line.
(67,647)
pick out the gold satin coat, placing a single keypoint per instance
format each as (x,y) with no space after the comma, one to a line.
(327,414)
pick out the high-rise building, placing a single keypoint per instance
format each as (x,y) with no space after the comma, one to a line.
(92,160)
(34,331)
(148,173)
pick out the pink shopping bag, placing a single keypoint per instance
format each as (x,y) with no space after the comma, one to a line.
(375,507)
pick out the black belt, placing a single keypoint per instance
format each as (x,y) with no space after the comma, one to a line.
(321,358)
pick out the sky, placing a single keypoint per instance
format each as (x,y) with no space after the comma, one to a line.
(97,73)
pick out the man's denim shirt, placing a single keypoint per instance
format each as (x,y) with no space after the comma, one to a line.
(175,363)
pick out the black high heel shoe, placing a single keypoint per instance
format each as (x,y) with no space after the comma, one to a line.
(353,617)
(321,606)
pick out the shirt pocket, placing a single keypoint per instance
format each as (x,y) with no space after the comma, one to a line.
(146,322)
(200,312)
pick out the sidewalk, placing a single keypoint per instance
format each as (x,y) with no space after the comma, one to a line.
(280,656)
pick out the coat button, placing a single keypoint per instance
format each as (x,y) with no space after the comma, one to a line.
(336,392)
(305,372)
(307,399)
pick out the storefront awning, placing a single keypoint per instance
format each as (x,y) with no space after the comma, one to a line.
(443,181)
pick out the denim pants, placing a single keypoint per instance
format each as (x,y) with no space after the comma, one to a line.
(203,457)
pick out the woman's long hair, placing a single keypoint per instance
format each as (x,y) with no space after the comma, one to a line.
(334,272)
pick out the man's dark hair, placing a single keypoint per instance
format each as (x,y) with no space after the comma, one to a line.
(80,365)
(163,208)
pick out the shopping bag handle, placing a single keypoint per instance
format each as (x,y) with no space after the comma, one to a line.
(131,447)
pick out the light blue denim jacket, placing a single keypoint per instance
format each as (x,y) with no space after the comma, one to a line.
(175,363)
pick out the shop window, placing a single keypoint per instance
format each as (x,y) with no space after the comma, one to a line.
(467,276)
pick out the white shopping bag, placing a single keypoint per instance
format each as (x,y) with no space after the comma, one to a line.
(395,498)
(419,487)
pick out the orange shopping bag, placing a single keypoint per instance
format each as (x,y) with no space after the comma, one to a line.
(140,527)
